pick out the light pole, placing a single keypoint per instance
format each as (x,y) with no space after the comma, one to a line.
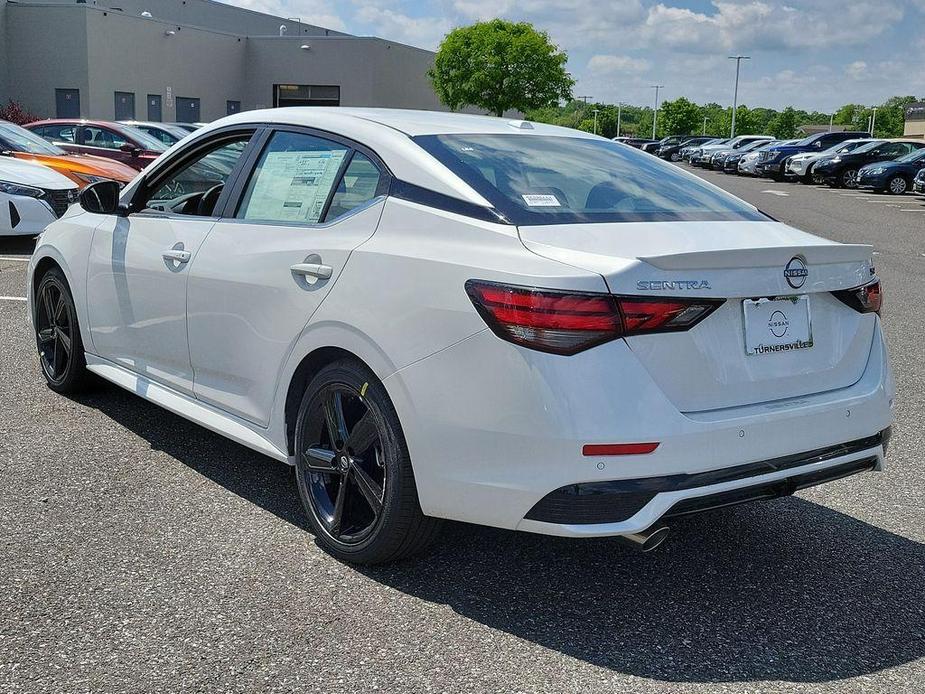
(704,126)
(595,112)
(831,121)
(873,122)
(619,117)
(735,95)
(656,87)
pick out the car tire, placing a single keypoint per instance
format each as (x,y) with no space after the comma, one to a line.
(57,335)
(848,179)
(897,185)
(675,157)
(807,178)
(353,469)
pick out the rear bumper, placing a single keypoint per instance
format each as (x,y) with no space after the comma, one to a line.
(494,429)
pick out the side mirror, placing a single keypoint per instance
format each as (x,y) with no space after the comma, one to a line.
(131,149)
(101,197)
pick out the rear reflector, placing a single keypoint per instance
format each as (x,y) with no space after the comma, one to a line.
(618,448)
(865,299)
(563,322)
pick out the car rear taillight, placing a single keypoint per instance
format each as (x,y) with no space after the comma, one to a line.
(563,322)
(865,299)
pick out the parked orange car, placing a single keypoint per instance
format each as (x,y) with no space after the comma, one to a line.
(83,169)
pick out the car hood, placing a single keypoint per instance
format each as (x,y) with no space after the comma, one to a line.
(32,174)
(85,164)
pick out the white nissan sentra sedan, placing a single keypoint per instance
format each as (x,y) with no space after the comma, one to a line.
(438,315)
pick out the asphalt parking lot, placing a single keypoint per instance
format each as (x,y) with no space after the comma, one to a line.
(142,553)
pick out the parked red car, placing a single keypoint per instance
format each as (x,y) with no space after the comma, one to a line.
(104,139)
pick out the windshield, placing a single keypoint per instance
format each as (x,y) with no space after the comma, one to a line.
(147,141)
(21,140)
(867,147)
(914,155)
(537,179)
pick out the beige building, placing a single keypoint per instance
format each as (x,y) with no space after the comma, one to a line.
(915,120)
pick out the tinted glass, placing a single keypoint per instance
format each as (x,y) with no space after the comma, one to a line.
(143,139)
(534,179)
(21,140)
(159,134)
(914,155)
(102,137)
(293,179)
(183,189)
(59,133)
(357,186)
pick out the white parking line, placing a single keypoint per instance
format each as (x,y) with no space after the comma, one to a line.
(12,298)
(912,209)
(15,259)
(777,192)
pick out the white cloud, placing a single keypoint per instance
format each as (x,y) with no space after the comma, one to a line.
(617,64)
(424,32)
(317,12)
(857,70)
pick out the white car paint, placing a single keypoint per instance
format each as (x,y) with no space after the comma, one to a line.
(28,215)
(492,427)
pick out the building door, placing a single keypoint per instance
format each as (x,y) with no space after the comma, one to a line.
(125,106)
(67,103)
(232,107)
(154,108)
(187,109)
(306,95)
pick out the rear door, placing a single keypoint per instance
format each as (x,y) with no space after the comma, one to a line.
(306,201)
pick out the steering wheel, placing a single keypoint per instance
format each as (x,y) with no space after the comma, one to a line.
(207,201)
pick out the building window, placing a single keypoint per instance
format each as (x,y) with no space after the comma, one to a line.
(306,95)
(232,107)
(125,105)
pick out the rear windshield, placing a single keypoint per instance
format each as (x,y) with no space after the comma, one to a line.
(539,179)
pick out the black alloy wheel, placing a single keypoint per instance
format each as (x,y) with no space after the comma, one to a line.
(57,334)
(353,470)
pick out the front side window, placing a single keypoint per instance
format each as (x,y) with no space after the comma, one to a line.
(293,179)
(102,137)
(195,187)
(538,179)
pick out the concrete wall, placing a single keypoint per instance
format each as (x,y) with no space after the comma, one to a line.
(46,49)
(369,71)
(4,61)
(131,55)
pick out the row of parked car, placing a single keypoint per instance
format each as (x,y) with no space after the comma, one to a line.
(840,159)
(45,164)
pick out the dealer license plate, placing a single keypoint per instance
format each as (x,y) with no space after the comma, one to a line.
(777,325)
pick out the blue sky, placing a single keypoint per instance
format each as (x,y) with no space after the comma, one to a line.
(813,54)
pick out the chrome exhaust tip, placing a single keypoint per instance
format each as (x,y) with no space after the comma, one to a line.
(648,539)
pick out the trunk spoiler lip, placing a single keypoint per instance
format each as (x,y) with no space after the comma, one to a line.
(766,256)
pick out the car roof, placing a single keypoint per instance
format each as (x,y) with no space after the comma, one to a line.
(407,121)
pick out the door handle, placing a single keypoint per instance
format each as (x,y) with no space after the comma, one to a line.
(177,255)
(322,272)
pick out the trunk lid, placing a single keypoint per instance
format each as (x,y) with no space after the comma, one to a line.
(707,367)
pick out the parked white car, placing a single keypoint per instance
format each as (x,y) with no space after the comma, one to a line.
(436,315)
(31,197)
(801,165)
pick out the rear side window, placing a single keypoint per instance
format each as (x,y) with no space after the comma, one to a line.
(58,133)
(357,186)
(293,179)
(537,179)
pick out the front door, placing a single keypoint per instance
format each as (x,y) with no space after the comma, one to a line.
(139,267)
(265,269)
(67,103)
(125,105)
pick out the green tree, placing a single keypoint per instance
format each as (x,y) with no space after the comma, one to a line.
(498,66)
(784,125)
(680,117)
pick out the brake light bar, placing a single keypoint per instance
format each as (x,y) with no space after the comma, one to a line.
(565,322)
(867,298)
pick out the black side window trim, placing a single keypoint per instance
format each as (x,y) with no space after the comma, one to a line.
(430,198)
